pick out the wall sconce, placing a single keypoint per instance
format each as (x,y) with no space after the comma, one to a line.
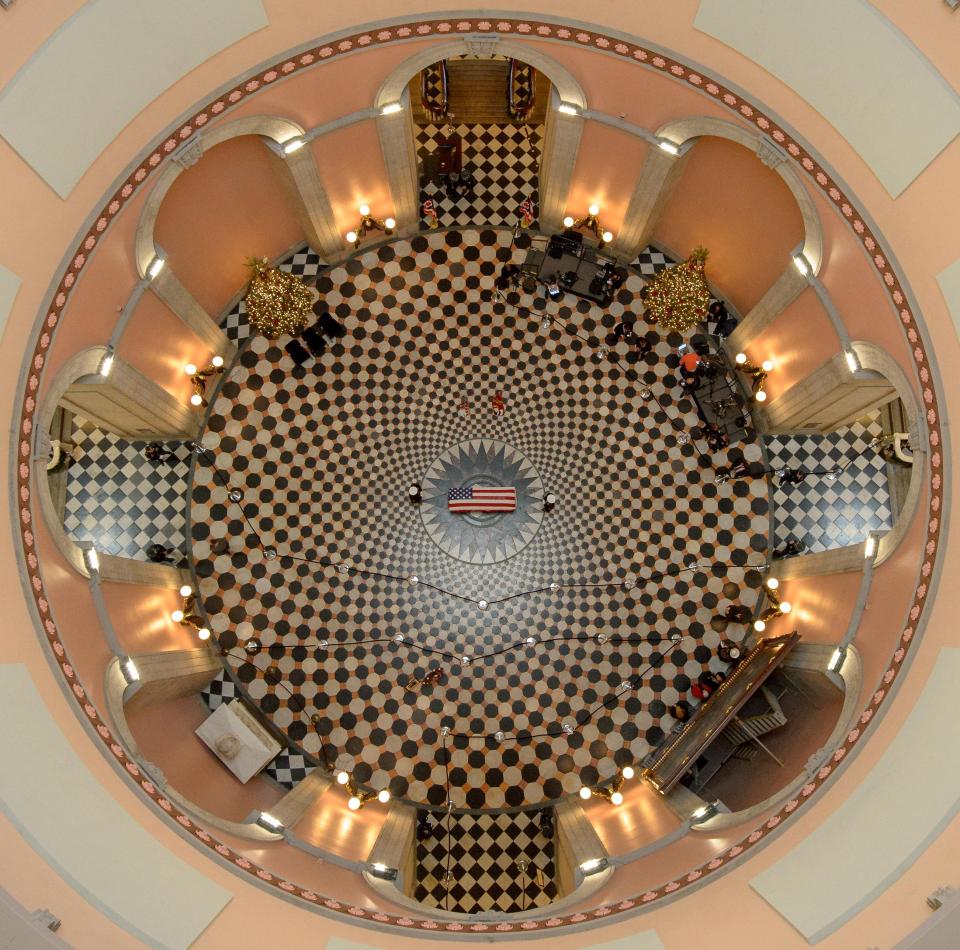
(266,820)
(801,264)
(836,660)
(705,811)
(777,606)
(391,108)
(358,799)
(566,109)
(853,364)
(199,377)
(589,222)
(130,672)
(293,145)
(382,871)
(369,223)
(156,265)
(671,148)
(610,792)
(91,561)
(186,615)
(757,374)
(593,866)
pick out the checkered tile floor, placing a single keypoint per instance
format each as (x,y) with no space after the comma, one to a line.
(825,513)
(305,263)
(469,864)
(324,454)
(505,161)
(651,262)
(121,501)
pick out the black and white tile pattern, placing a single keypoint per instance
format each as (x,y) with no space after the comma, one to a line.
(470,863)
(504,159)
(119,500)
(324,455)
(305,263)
(824,512)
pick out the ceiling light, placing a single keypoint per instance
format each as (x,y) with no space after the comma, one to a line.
(594,210)
(759,626)
(616,798)
(391,223)
(760,396)
(130,670)
(364,210)
(294,145)
(585,793)
(785,607)
(196,399)
(607,237)
(767,366)
(852,362)
(482,604)
(353,803)
(190,369)
(383,796)
(773,583)
(106,363)
(382,871)
(156,265)
(671,148)
(186,590)
(391,108)
(351,237)
(801,264)
(836,660)
(706,810)
(531,640)
(568,221)
(870,546)
(741,358)
(568,109)
(203,633)
(627,771)
(343,778)
(216,361)
(92,561)
(176,616)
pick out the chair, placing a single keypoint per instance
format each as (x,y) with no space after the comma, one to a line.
(297,352)
(330,326)
(314,341)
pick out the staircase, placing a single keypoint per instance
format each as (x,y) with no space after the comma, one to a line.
(742,731)
(478,94)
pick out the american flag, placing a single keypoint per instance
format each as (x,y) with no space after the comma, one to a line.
(460,500)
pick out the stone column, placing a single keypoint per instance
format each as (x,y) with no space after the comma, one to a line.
(576,842)
(395,846)
(294,805)
(561,143)
(170,675)
(300,177)
(658,177)
(829,398)
(129,404)
(397,138)
(167,286)
(786,288)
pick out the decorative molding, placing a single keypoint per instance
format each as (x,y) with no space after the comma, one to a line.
(189,153)
(482,45)
(771,155)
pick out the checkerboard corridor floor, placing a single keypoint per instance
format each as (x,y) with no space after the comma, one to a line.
(323,455)
(825,513)
(119,500)
(505,161)
(470,863)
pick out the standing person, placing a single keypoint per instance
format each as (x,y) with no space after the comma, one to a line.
(499,406)
(158,452)
(792,476)
(553,289)
(160,554)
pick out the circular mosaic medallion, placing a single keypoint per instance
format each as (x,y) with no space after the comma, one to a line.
(482,537)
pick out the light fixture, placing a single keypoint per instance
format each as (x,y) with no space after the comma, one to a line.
(482,604)
(199,378)
(568,109)
(130,671)
(759,626)
(772,583)
(870,546)
(368,223)
(836,660)
(92,561)
(585,793)
(801,264)
(853,364)
(106,363)
(383,796)
(391,108)
(414,579)
(757,374)
(776,608)
(616,798)
(343,778)
(785,607)
(203,633)
(671,148)
(357,798)
(156,265)
(177,616)
(589,222)
(382,871)
(353,803)
(628,772)
(294,145)
(593,865)
(186,616)
(266,819)
(705,811)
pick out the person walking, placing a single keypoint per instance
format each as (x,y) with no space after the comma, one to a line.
(157,452)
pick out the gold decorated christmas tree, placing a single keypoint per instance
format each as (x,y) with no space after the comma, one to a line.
(277,302)
(678,297)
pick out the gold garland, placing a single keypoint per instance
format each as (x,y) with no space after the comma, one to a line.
(678,297)
(277,302)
